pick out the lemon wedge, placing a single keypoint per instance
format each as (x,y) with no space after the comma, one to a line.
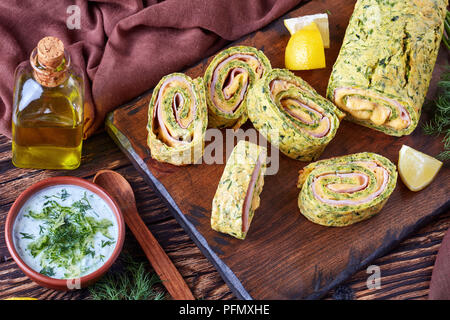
(305,50)
(417,169)
(320,19)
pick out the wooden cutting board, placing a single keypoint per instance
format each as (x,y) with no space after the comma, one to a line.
(284,255)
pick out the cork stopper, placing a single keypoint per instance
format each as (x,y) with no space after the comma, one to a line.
(46,60)
(50,52)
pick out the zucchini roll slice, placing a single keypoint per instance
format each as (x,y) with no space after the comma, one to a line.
(292,115)
(381,76)
(177,120)
(237,196)
(344,190)
(228,78)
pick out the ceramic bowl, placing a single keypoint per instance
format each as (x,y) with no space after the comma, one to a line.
(63,284)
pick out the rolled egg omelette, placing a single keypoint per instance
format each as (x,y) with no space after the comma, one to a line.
(177,120)
(381,76)
(291,115)
(228,78)
(344,190)
(237,196)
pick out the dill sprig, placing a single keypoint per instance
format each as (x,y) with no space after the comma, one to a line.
(440,122)
(446,35)
(132,283)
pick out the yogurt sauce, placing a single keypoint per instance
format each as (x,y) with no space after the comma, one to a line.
(28,229)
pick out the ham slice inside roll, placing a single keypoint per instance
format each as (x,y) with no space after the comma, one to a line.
(160,128)
(296,109)
(234,77)
(381,175)
(249,196)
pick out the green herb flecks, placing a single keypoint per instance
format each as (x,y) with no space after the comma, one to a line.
(440,123)
(83,204)
(26,235)
(106,243)
(67,235)
(63,195)
(132,283)
(47,271)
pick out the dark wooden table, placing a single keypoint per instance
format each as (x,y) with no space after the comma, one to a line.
(405,272)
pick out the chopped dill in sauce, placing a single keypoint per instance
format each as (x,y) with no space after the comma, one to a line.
(65,234)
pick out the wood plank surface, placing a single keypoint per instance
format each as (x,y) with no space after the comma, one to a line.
(99,152)
(285,256)
(405,271)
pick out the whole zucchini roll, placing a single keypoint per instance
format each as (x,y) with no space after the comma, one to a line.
(381,76)
(237,196)
(345,190)
(292,115)
(228,78)
(177,120)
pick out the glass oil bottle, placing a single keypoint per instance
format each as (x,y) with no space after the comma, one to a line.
(47,120)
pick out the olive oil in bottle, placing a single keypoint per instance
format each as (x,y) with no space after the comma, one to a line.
(47,120)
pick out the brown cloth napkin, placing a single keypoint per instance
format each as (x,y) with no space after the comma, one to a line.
(440,279)
(125,47)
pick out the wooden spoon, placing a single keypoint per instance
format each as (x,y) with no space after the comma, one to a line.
(119,188)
